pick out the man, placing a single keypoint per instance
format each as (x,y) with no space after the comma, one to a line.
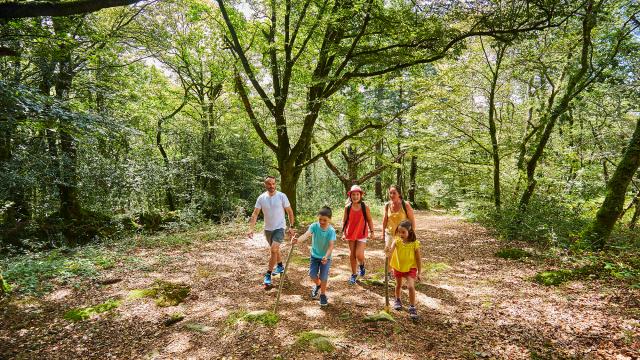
(273,204)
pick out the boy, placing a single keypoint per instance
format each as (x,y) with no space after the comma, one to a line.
(322,242)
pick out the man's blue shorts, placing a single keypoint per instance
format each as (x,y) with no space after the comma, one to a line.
(276,235)
(318,270)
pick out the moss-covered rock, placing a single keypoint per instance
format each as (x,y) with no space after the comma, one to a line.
(165,293)
(381,316)
(553,277)
(80,314)
(315,340)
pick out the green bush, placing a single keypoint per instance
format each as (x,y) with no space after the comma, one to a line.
(512,254)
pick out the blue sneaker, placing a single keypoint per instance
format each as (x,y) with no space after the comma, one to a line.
(323,300)
(314,291)
(362,270)
(278,270)
(352,280)
(267,279)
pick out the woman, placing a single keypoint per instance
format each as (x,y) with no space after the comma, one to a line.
(395,211)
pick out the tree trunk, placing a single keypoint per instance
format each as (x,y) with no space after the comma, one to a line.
(378,163)
(413,170)
(634,218)
(495,151)
(606,217)
(67,186)
(288,183)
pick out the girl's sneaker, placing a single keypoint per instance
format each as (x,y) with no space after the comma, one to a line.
(397,305)
(314,291)
(362,270)
(267,279)
(413,313)
(323,300)
(352,280)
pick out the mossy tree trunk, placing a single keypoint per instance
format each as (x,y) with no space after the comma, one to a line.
(599,231)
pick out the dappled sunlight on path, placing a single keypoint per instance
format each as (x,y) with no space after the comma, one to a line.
(471,305)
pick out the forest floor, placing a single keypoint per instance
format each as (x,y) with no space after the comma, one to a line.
(472,305)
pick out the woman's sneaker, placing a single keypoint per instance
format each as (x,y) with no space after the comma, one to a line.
(397,305)
(362,270)
(267,279)
(413,313)
(314,291)
(323,300)
(352,280)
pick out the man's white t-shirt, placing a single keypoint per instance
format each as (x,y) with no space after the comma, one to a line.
(273,209)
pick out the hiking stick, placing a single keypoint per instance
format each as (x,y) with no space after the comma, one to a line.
(386,283)
(282,278)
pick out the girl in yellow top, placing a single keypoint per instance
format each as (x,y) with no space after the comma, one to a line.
(406,264)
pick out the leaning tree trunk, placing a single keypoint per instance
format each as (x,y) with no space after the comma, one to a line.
(600,230)
(578,82)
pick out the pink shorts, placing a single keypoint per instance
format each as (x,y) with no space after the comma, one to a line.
(412,273)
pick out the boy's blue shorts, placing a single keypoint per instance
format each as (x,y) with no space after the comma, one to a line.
(316,268)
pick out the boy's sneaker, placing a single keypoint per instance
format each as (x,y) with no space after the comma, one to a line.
(352,280)
(413,313)
(323,300)
(314,291)
(267,279)
(362,270)
(278,270)
(397,305)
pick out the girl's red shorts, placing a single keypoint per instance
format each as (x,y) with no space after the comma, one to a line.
(411,273)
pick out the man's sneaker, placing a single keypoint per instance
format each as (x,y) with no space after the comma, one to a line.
(314,291)
(397,305)
(413,313)
(278,270)
(352,280)
(267,279)
(362,270)
(323,300)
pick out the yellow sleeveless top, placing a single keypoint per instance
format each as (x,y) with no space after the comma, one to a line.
(403,258)
(394,219)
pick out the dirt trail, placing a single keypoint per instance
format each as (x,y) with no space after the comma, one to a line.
(471,305)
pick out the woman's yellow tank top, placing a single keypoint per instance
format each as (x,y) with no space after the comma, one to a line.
(394,219)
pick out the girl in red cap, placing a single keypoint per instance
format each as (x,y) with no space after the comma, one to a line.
(355,221)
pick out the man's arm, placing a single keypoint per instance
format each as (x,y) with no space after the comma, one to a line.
(289,211)
(252,222)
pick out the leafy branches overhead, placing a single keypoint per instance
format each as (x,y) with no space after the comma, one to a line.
(316,48)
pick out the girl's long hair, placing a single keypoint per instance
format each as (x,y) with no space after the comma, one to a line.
(407,225)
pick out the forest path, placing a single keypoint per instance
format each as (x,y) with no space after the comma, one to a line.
(471,305)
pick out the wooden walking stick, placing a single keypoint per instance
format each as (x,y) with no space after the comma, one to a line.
(282,278)
(386,283)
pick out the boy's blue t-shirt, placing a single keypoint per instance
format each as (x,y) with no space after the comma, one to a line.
(321,239)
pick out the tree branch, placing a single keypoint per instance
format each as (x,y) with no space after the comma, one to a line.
(26,9)
(252,116)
